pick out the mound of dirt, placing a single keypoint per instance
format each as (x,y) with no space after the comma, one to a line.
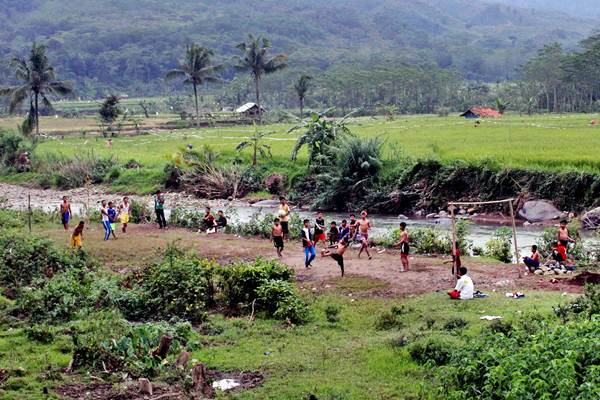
(585,277)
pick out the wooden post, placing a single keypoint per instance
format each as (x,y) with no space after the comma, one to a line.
(514,228)
(29,211)
(454,271)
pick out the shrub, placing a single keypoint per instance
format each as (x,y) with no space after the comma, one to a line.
(499,246)
(113,174)
(275,183)
(500,326)
(391,319)
(432,350)
(180,286)
(261,225)
(12,147)
(332,313)
(132,164)
(455,324)
(240,281)
(76,172)
(40,333)
(557,362)
(10,219)
(585,306)
(173,176)
(430,241)
(139,213)
(280,298)
(27,258)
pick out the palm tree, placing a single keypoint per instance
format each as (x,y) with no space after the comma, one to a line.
(301,86)
(38,81)
(255,142)
(197,69)
(256,60)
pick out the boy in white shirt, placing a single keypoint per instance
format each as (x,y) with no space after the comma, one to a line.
(464,286)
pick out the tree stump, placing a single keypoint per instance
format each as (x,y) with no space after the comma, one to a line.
(200,380)
(163,348)
(145,386)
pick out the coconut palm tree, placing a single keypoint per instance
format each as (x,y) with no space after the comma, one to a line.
(256,60)
(38,81)
(196,69)
(301,86)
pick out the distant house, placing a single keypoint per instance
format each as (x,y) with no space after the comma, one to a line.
(481,112)
(249,110)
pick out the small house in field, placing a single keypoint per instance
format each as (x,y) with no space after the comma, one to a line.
(481,112)
(249,110)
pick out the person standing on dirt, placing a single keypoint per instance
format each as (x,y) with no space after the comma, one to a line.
(159,209)
(320,229)
(363,225)
(65,212)
(563,234)
(277,236)
(105,220)
(344,232)
(404,247)
(352,226)
(112,217)
(308,245)
(284,216)
(124,213)
(77,236)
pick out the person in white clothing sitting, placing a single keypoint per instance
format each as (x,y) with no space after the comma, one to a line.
(464,286)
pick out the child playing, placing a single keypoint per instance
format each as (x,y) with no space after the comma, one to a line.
(77,236)
(562,234)
(124,213)
(337,255)
(112,217)
(319,229)
(352,226)
(209,221)
(277,235)
(533,262)
(333,233)
(308,245)
(221,221)
(464,286)
(363,225)
(105,220)
(404,247)
(65,212)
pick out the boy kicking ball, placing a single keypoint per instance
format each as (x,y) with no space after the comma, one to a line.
(338,254)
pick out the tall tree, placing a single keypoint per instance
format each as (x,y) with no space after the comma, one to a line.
(109,111)
(301,86)
(196,69)
(38,81)
(255,142)
(256,60)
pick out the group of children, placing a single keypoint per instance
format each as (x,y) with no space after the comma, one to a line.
(110,216)
(559,254)
(335,239)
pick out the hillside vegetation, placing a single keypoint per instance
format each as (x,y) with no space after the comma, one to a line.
(127,45)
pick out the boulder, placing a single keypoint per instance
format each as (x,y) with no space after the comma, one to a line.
(591,219)
(539,210)
(266,203)
(432,215)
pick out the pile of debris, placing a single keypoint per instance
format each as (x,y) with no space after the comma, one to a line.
(554,269)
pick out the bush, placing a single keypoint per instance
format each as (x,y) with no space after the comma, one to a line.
(27,258)
(557,362)
(12,147)
(40,333)
(139,213)
(240,281)
(275,183)
(280,298)
(499,246)
(433,350)
(332,313)
(261,225)
(173,176)
(10,219)
(79,171)
(585,306)
(390,319)
(455,324)
(132,164)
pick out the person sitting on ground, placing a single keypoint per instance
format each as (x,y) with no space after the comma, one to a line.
(338,254)
(464,286)
(208,220)
(559,253)
(344,231)
(221,221)
(77,237)
(333,233)
(532,262)
(277,235)
(562,235)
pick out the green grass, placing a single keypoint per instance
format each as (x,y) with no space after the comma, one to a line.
(554,142)
(349,359)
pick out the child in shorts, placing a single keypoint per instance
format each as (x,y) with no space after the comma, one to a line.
(277,235)
(77,236)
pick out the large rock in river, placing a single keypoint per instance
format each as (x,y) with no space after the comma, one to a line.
(539,210)
(591,219)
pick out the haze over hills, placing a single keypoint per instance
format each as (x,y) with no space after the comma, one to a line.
(129,44)
(577,8)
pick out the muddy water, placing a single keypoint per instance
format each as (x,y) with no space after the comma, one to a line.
(88,198)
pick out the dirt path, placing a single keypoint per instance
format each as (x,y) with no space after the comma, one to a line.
(381,275)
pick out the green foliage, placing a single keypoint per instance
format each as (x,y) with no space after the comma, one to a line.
(332,313)
(391,319)
(262,225)
(12,146)
(71,173)
(109,112)
(256,144)
(433,350)
(558,362)
(586,306)
(356,164)
(139,213)
(240,281)
(500,245)
(455,324)
(281,299)
(40,333)
(26,258)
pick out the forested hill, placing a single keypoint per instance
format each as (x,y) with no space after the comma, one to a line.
(578,8)
(128,44)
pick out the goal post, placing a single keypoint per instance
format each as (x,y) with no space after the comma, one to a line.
(453,204)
